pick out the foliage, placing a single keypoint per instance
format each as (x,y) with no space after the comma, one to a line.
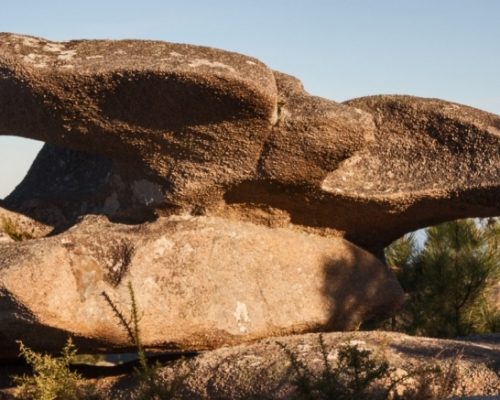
(52,378)
(448,280)
(357,375)
(14,231)
(349,379)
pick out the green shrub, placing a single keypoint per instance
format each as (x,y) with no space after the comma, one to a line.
(358,375)
(52,378)
(355,371)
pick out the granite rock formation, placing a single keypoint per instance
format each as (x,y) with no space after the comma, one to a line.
(178,127)
(200,282)
(140,131)
(262,370)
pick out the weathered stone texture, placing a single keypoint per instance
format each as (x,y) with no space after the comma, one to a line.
(200,282)
(180,127)
(241,190)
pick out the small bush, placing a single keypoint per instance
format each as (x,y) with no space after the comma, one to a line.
(357,375)
(52,378)
(355,371)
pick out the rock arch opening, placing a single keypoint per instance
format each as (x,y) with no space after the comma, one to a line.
(16,157)
(63,184)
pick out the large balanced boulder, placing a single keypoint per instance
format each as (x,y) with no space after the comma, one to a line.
(199,282)
(143,127)
(240,190)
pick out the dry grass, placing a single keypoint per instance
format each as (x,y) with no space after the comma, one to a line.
(14,231)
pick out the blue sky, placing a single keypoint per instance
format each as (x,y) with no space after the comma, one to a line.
(340,49)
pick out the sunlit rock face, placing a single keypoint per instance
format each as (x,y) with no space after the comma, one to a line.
(200,282)
(145,131)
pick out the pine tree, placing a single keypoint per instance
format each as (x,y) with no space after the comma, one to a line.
(448,280)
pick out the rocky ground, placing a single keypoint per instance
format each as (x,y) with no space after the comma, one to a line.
(263,370)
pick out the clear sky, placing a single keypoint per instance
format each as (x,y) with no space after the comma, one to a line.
(448,49)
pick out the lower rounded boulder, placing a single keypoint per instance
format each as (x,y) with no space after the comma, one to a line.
(198,283)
